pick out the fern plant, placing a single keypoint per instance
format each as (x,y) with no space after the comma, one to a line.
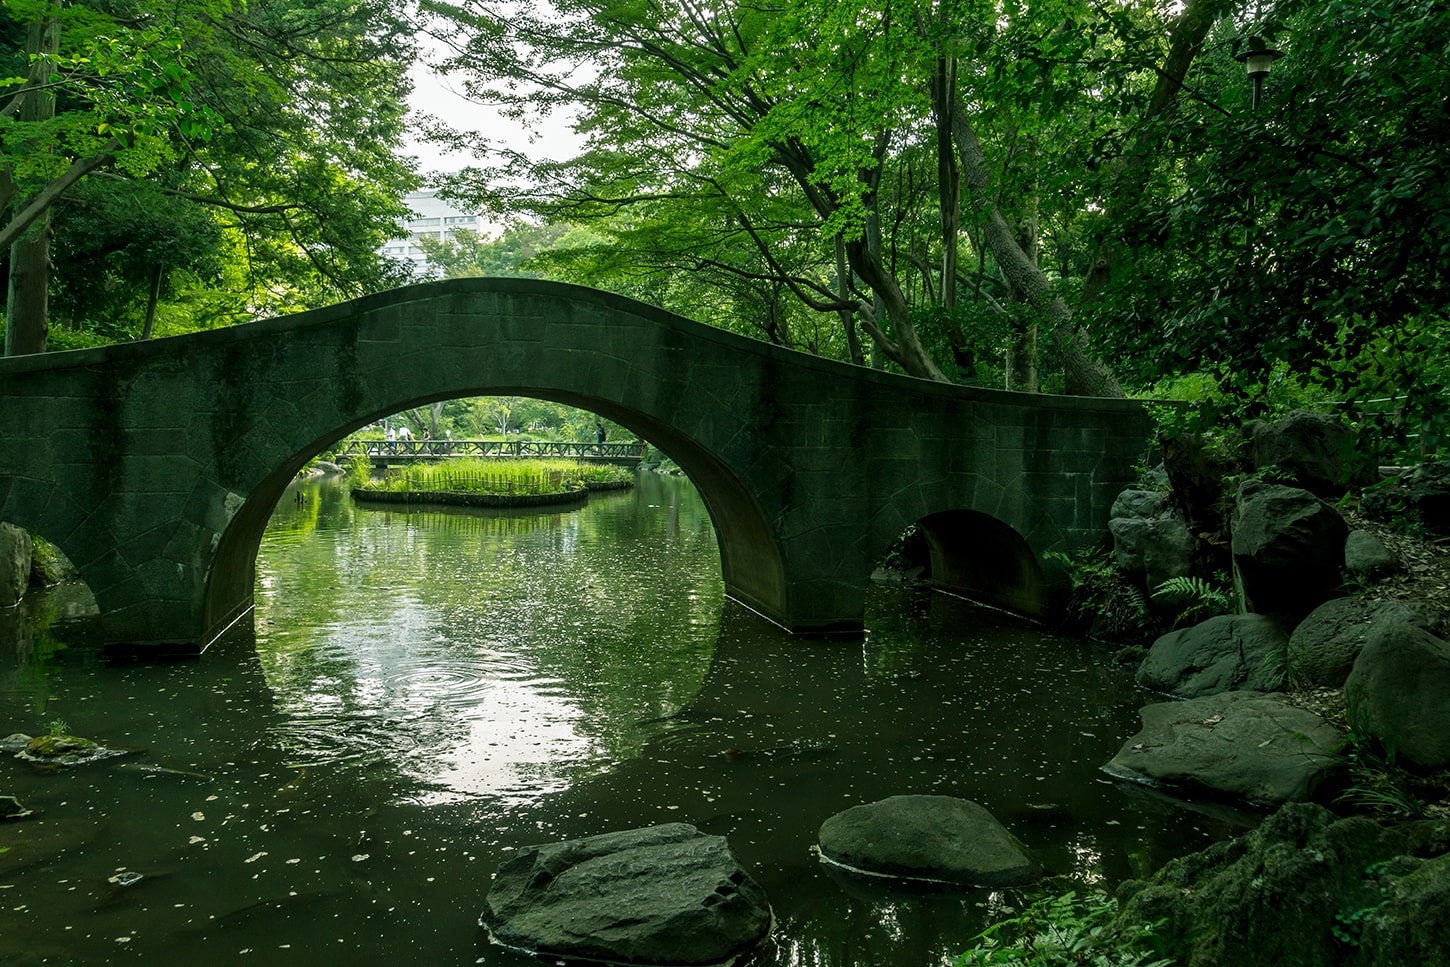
(1104,603)
(1073,929)
(1195,599)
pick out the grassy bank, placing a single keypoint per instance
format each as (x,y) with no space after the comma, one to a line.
(496,477)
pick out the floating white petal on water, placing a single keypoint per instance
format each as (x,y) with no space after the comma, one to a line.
(359,857)
(254,857)
(198,816)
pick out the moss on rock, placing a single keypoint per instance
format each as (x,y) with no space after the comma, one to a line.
(1303,890)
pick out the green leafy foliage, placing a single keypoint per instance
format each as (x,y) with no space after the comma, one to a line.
(794,172)
(1374,782)
(1194,599)
(1349,925)
(248,157)
(1307,239)
(499,476)
(467,254)
(1103,603)
(1072,930)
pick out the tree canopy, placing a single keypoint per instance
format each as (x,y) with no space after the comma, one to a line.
(218,160)
(997,192)
(1309,238)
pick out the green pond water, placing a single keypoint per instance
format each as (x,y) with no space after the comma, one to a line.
(424,691)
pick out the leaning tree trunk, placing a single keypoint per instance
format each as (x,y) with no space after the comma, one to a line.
(1085,374)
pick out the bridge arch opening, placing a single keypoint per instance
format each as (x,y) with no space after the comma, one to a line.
(981,557)
(52,588)
(751,562)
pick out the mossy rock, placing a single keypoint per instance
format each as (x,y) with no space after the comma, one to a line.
(48,565)
(49,746)
(1305,889)
(66,750)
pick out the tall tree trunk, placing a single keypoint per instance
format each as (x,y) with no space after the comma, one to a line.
(27,296)
(848,318)
(27,301)
(878,304)
(944,93)
(153,299)
(1085,374)
(1186,39)
(1024,369)
(906,349)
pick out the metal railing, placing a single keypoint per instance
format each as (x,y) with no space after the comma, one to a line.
(443,449)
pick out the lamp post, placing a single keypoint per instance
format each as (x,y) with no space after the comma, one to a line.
(1258,58)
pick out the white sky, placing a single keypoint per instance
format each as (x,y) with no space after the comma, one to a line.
(437,95)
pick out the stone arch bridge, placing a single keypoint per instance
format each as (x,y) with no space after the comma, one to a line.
(154,466)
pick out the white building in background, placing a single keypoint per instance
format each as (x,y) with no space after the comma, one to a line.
(433,218)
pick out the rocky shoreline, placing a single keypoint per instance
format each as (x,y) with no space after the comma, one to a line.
(1320,689)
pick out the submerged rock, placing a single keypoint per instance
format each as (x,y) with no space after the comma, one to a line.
(10,808)
(938,839)
(663,895)
(1247,745)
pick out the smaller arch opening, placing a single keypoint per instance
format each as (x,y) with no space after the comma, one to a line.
(43,570)
(980,557)
(42,591)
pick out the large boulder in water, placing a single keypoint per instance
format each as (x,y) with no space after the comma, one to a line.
(1288,548)
(1227,653)
(1399,692)
(1246,745)
(937,839)
(663,895)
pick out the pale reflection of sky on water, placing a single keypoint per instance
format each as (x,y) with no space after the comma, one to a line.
(428,691)
(454,666)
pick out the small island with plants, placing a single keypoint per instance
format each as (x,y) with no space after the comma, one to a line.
(487,482)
